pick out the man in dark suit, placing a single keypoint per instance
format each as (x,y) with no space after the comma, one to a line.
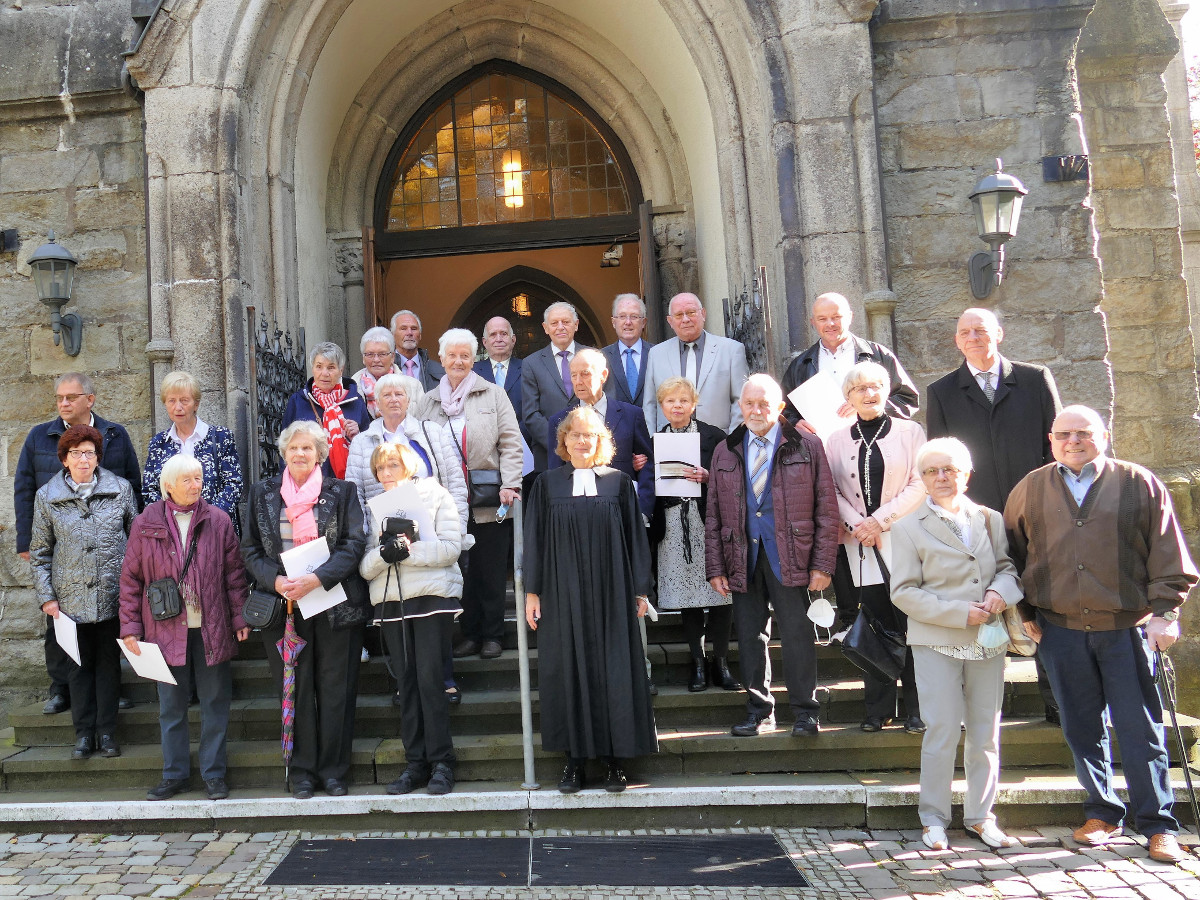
(1004,412)
(838,351)
(589,373)
(501,367)
(546,379)
(627,357)
(412,360)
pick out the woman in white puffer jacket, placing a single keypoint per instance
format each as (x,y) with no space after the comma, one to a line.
(416,587)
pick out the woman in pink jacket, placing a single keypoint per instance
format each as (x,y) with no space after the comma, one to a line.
(873,469)
(200,641)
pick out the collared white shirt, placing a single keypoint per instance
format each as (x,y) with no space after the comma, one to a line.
(839,362)
(637,349)
(1080,484)
(962,518)
(600,406)
(187,446)
(501,378)
(994,371)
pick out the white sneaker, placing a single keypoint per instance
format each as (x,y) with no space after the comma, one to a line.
(935,838)
(989,832)
(366,657)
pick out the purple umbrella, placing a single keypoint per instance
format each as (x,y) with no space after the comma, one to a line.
(289,647)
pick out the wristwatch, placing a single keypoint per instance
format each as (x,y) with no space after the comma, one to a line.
(1171,615)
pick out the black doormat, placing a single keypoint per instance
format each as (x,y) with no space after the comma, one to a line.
(650,861)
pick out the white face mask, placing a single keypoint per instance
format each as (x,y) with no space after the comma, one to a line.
(821,612)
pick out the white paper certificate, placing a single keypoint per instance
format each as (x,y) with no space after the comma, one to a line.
(150,663)
(870,572)
(819,400)
(674,456)
(404,500)
(304,560)
(67,635)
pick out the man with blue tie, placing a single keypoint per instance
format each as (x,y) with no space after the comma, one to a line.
(501,367)
(771,537)
(627,357)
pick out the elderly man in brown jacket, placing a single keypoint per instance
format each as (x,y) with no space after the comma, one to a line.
(770,536)
(1105,570)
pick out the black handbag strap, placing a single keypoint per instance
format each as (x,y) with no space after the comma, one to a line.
(188,561)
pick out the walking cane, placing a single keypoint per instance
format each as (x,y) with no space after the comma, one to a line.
(1164,678)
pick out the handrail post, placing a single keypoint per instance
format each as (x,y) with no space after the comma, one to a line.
(530,783)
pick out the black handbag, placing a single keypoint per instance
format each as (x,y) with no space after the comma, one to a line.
(163,595)
(483,485)
(870,644)
(262,609)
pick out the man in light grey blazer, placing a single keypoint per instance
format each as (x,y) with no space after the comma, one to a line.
(715,364)
(546,378)
(627,357)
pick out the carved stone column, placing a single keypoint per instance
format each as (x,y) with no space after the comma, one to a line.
(881,317)
(348,261)
(161,354)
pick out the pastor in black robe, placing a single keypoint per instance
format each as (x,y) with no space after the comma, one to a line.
(588,560)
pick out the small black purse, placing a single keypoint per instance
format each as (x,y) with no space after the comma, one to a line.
(163,596)
(262,609)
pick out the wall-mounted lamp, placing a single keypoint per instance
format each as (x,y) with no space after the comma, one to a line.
(997,201)
(514,188)
(611,258)
(54,276)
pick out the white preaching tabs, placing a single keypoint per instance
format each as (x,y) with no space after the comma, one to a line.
(304,560)
(403,500)
(149,663)
(67,634)
(819,400)
(675,455)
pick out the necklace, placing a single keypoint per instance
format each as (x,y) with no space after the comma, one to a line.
(866,457)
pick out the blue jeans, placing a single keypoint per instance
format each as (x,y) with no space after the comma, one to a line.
(214,687)
(1092,671)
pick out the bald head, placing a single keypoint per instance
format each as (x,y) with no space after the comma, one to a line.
(498,339)
(978,336)
(831,319)
(685,315)
(1078,436)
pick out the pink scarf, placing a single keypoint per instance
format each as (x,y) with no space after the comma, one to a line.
(367,384)
(298,501)
(452,401)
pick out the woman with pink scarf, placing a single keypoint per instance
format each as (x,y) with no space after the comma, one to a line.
(333,402)
(299,505)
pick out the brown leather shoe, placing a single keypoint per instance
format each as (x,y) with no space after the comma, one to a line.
(1095,832)
(1165,848)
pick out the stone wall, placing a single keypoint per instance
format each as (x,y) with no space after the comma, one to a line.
(71,161)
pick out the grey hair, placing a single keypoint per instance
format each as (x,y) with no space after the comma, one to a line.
(392,380)
(1078,409)
(592,355)
(330,351)
(456,336)
(621,298)
(313,430)
(951,447)
(377,335)
(174,469)
(560,304)
(405,312)
(769,385)
(866,371)
(85,383)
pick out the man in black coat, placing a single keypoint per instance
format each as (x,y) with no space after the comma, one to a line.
(838,351)
(74,397)
(627,357)
(1004,412)
(412,360)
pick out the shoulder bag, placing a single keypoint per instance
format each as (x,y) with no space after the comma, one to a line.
(262,609)
(163,595)
(870,644)
(483,485)
(1018,641)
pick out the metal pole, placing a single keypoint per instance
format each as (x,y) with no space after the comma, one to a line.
(252,439)
(530,783)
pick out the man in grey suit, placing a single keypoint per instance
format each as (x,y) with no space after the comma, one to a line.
(627,357)
(715,365)
(412,360)
(546,378)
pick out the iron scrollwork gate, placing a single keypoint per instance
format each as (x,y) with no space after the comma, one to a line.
(748,319)
(277,370)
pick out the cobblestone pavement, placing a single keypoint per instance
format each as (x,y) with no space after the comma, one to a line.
(846,864)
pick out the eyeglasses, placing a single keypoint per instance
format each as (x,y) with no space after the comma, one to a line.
(863,388)
(1068,435)
(382,355)
(81,454)
(68,398)
(935,471)
(687,314)
(628,318)
(582,435)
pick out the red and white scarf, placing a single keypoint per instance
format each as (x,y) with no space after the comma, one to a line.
(334,423)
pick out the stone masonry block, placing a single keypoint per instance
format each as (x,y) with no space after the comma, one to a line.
(195,247)
(1088,382)
(1034,338)
(1133,350)
(182,126)
(100,351)
(928,192)
(32,214)
(829,182)
(1031,286)
(28,137)
(1008,94)
(1084,336)
(934,240)
(1123,127)
(14,350)
(830,89)
(947,144)
(1127,254)
(48,170)
(936,99)
(1144,302)
(122,164)
(1115,170)
(102,208)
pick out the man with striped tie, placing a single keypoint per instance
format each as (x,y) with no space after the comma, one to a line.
(770,537)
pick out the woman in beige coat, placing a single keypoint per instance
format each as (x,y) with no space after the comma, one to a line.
(951,573)
(485,431)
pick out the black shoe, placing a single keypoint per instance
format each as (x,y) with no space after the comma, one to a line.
(806,726)
(572,777)
(872,724)
(453,695)
(465,648)
(615,781)
(167,788)
(914,725)
(442,779)
(126,703)
(756,723)
(109,746)
(55,704)
(84,748)
(699,680)
(1052,715)
(335,787)
(397,700)
(722,677)
(216,788)
(303,790)
(490,650)
(653,689)
(413,777)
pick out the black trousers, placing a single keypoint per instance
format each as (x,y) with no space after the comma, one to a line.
(58,664)
(417,649)
(95,684)
(720,620)
(752,616)
(486,581)
(845,592)
(325,694)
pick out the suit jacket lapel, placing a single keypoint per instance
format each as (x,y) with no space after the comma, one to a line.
(1008,381)
(707,361)
(938,529)
(618,369)
(970,387)
(552,361)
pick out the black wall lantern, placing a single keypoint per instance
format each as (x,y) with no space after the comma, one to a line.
(54,276)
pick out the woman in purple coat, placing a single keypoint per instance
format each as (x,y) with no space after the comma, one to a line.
(199,643)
